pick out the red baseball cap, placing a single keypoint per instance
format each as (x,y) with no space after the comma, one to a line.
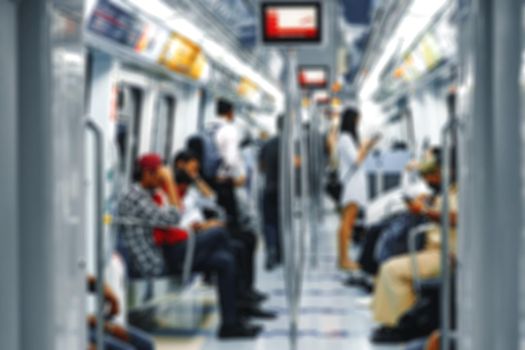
(150,161)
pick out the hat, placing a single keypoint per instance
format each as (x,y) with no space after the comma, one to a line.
(428,167)
(150,161)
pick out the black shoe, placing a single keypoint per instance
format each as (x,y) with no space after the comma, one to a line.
(270,265)
(238,330)
(258,296)
(271,262)
(247,300)
(256,312)
(388,335)
(359,282)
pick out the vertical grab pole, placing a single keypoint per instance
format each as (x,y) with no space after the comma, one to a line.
(445,231)
(99,240)
(313,187)
(315,178)
(302,232)
(286,195)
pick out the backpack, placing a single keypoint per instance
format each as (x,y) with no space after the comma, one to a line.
(204,146)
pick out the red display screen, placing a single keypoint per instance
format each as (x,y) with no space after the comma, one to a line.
(322,97)
(312,77)
(291,22)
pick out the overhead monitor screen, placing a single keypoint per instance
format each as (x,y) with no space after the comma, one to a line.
(321,97)
(313,77)
(288,22)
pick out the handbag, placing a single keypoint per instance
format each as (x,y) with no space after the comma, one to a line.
(333,187)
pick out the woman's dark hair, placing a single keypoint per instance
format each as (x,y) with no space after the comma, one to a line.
(349,123)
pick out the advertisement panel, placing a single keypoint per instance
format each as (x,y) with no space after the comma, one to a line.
(116,24)
(183,56)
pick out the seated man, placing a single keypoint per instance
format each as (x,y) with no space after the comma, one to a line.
(197,193)
(116,337)
(394,293)
(388,237)
(150,259)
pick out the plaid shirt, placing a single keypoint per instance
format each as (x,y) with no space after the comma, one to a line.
(137,204)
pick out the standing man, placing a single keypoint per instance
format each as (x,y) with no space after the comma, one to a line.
(232,175)
(269,166)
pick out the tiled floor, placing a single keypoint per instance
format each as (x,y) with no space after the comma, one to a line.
(332,316)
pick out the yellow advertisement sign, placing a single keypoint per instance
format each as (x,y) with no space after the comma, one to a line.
(183,56)
(246,87)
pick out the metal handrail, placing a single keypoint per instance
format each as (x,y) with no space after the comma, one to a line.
(445,232)
(292,257)
(412,248)
(99,227)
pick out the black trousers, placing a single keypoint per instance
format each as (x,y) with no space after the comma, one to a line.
(241,237)
(271,224)
(367,258)
(247,242)
(213,254)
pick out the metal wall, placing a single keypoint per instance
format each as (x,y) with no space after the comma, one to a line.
(9,301)
(50,165)
(490,182)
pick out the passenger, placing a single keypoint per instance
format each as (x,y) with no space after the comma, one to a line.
(232,175)
(389,237)
(211,251)
(269,166)
(351,153)
(116,337)
(394,237)
(187,168)
(394,293)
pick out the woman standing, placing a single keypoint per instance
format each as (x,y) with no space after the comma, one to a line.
(353,179)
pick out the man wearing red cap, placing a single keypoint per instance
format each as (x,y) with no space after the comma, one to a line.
(212,253)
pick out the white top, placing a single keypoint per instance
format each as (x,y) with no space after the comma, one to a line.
(228,141)
(352,179)
(392,202)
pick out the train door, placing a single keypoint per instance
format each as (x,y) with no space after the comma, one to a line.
(163,126)
(129,117)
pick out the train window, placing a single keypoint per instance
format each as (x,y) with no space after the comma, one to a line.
(128,127)
(202,109)
(162,141)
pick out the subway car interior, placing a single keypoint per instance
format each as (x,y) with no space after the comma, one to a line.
(253,174)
